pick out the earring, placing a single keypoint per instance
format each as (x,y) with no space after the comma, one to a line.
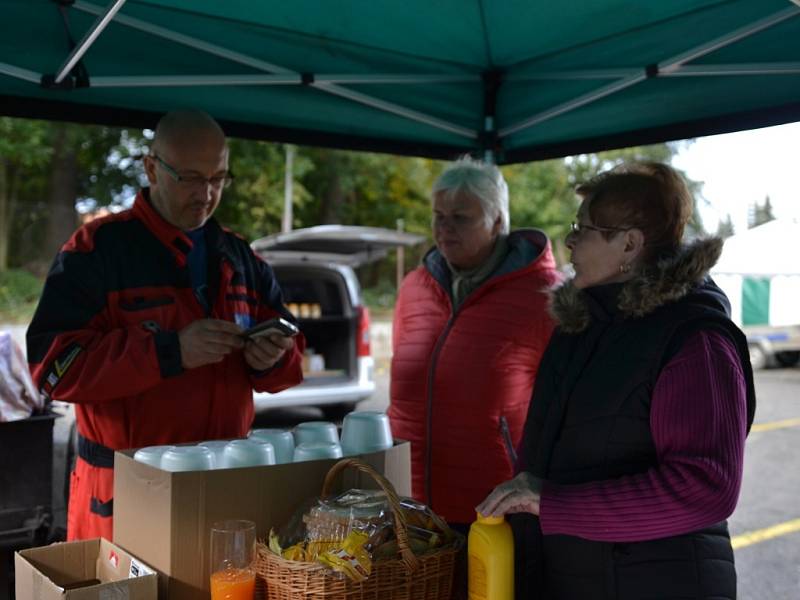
(624,268)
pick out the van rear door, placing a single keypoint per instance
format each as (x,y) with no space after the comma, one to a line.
(352,245)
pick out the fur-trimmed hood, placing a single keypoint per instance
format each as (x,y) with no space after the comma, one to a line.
(671,279)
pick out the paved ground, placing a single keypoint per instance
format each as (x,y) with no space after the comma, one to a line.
(765,526)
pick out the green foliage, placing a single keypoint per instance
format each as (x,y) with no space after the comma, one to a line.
(19,294)
(357,188)
(23,143)
(105,169)
(380,298)
(110,162)
(25,152)
(541,196)
(583,167)
(253,205)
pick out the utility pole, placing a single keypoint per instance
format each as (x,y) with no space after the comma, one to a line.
(288,191)
(400,256)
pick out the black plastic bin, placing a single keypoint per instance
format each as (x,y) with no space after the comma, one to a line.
(26,479)
(26,487)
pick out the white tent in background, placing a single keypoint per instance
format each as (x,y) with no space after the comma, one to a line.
(759,270)
(769,249)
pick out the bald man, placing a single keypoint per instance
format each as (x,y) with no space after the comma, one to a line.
(140,321)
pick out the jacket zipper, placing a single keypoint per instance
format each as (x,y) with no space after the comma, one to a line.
(505,432)
(201,295)
(429,415)
(431,374)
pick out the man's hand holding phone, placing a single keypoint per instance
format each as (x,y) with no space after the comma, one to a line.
(267,342)
(208,341)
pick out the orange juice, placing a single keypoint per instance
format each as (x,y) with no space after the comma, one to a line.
(233,584)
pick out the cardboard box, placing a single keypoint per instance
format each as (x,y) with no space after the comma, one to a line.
(165,517)
(88,570)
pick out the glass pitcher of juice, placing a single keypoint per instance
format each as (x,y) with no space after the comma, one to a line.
(233,551)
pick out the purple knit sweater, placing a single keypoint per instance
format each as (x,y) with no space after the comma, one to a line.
(698,418)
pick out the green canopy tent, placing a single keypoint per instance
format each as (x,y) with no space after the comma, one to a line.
(516,80)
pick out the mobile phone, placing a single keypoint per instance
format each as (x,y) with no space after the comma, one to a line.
(274,325)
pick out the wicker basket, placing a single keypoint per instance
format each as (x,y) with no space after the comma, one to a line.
(409,577)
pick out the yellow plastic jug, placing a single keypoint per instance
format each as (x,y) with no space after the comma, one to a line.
(490,551)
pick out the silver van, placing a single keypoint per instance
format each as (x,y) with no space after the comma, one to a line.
(315,268)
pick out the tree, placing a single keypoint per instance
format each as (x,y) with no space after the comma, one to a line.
(541,196)
(585,166)
(88,164)
(23,153)
(760,213)
(542,193)
(357,188)
(725,228)
(253,205)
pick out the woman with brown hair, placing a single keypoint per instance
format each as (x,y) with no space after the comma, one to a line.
(633,447)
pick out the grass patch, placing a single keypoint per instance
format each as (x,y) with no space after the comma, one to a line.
(19,294)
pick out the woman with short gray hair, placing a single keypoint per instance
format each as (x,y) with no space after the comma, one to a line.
(470,326)
(481,180)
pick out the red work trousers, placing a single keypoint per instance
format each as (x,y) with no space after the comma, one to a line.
(90,511)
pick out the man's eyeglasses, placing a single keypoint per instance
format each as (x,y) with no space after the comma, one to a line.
(578,228)
(217,182)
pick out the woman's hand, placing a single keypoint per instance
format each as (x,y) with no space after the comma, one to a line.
(519,495)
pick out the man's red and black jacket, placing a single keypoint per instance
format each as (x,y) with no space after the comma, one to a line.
(105,333)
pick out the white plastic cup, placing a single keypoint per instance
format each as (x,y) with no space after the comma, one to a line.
(312,432)
(282,441)
(317,451)
(248,453)
(366,431)
(151,455)
(187,458)
(217,447)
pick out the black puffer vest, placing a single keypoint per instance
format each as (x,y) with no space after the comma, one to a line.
(589,420)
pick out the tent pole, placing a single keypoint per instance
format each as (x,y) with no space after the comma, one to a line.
(195,80)
(788,68)
(577,74)
(186,40)
(489,142)
(396,109)
(88,39)
(588,98)
(782,68)
(329,88)
(676,62)
(24,74)
(671,65)
(394,79)
(272,79)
